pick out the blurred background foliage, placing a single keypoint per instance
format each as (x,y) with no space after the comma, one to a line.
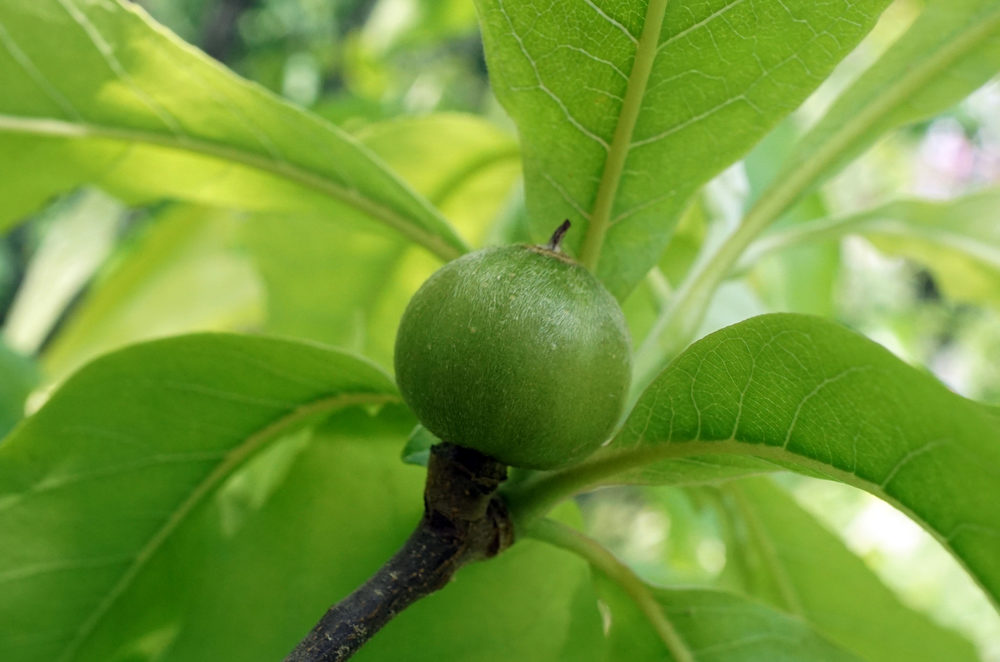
(87,273)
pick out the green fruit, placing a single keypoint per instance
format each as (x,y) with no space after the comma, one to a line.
(518,352)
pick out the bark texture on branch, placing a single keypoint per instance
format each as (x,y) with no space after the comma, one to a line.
(464,520)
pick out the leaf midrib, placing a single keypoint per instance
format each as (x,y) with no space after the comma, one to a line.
(234,458)
(51,127)
(614,164)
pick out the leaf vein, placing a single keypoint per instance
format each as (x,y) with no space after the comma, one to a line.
(235,458)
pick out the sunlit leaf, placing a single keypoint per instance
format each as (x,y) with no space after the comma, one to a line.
(347,286)
(959,239)
(626,108)
(80,235)
(802,393)
(952,48)
(182,273)
(97,92)
(468,175)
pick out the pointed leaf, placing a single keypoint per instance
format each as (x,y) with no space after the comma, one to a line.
(958,239)
(95,484)
(951,49)
(626,108)
(802,393)
(98,92)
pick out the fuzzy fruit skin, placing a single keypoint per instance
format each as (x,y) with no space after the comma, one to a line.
(518,352)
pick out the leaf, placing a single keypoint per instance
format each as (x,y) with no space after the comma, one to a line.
(693,551)
(951,49)
(715,626)
(844,600)
(18,375)
(802,393)
(124,103)
(180,274)
(273,548)
(802,279)
(96,484)
(626,108)
(958,239)
(469,176)
(325,282)
(348,286)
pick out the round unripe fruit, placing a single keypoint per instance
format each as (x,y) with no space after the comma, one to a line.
(518,352)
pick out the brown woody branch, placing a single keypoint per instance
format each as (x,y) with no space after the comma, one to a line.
(464,520)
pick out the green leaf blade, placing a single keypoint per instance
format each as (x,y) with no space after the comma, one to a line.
(304,259)
(180,274)
(125,104)
(96,482)
(305,523)
(625,109)
(846,601)
(958,239)
(950,50)
(716,626)
(722,626)
(805,394)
